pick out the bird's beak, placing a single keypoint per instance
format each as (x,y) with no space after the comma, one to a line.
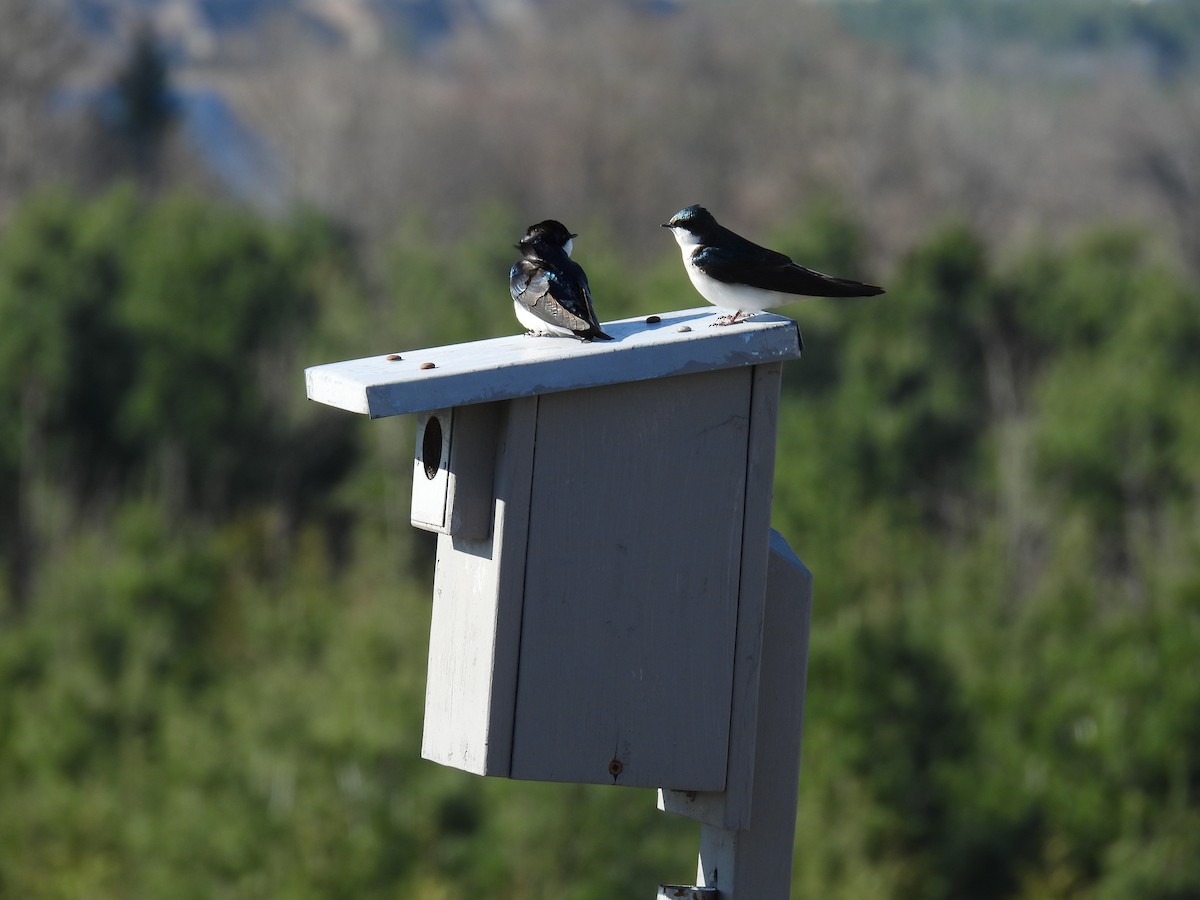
(574,236)
(665,225)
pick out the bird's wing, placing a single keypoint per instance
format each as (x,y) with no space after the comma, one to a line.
(549,296)
(585,308)
(595,331)
(750,264)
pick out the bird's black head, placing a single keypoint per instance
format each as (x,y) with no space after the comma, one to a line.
(550,234)
(694,218)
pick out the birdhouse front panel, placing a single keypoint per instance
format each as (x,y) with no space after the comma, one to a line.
(633,560)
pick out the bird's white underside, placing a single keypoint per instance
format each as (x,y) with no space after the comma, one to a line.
(538,326)
(733,297)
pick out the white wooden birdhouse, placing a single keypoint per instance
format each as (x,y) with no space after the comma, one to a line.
(602,513)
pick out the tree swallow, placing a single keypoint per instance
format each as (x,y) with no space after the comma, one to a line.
(734,273)
(550,292)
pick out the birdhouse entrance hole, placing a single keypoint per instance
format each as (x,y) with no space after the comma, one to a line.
(431,447)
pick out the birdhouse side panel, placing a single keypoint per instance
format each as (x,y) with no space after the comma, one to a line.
(475,629)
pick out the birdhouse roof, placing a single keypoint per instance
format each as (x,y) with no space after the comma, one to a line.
(680,343)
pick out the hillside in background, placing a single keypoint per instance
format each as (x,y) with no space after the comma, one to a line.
(1027,120)
(931,32)
(1067,38)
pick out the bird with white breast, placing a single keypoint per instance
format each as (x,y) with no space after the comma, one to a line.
(550,290)
(733,273)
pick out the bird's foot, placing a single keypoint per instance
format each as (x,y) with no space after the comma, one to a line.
(738,316)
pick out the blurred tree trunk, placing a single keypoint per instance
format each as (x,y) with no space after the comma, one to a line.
(146,110)
(38,50)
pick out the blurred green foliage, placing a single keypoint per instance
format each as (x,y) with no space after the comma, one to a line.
(214,615)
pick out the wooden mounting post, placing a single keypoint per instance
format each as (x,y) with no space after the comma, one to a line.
(755,862)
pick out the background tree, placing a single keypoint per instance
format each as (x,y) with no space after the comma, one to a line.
(145,107)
